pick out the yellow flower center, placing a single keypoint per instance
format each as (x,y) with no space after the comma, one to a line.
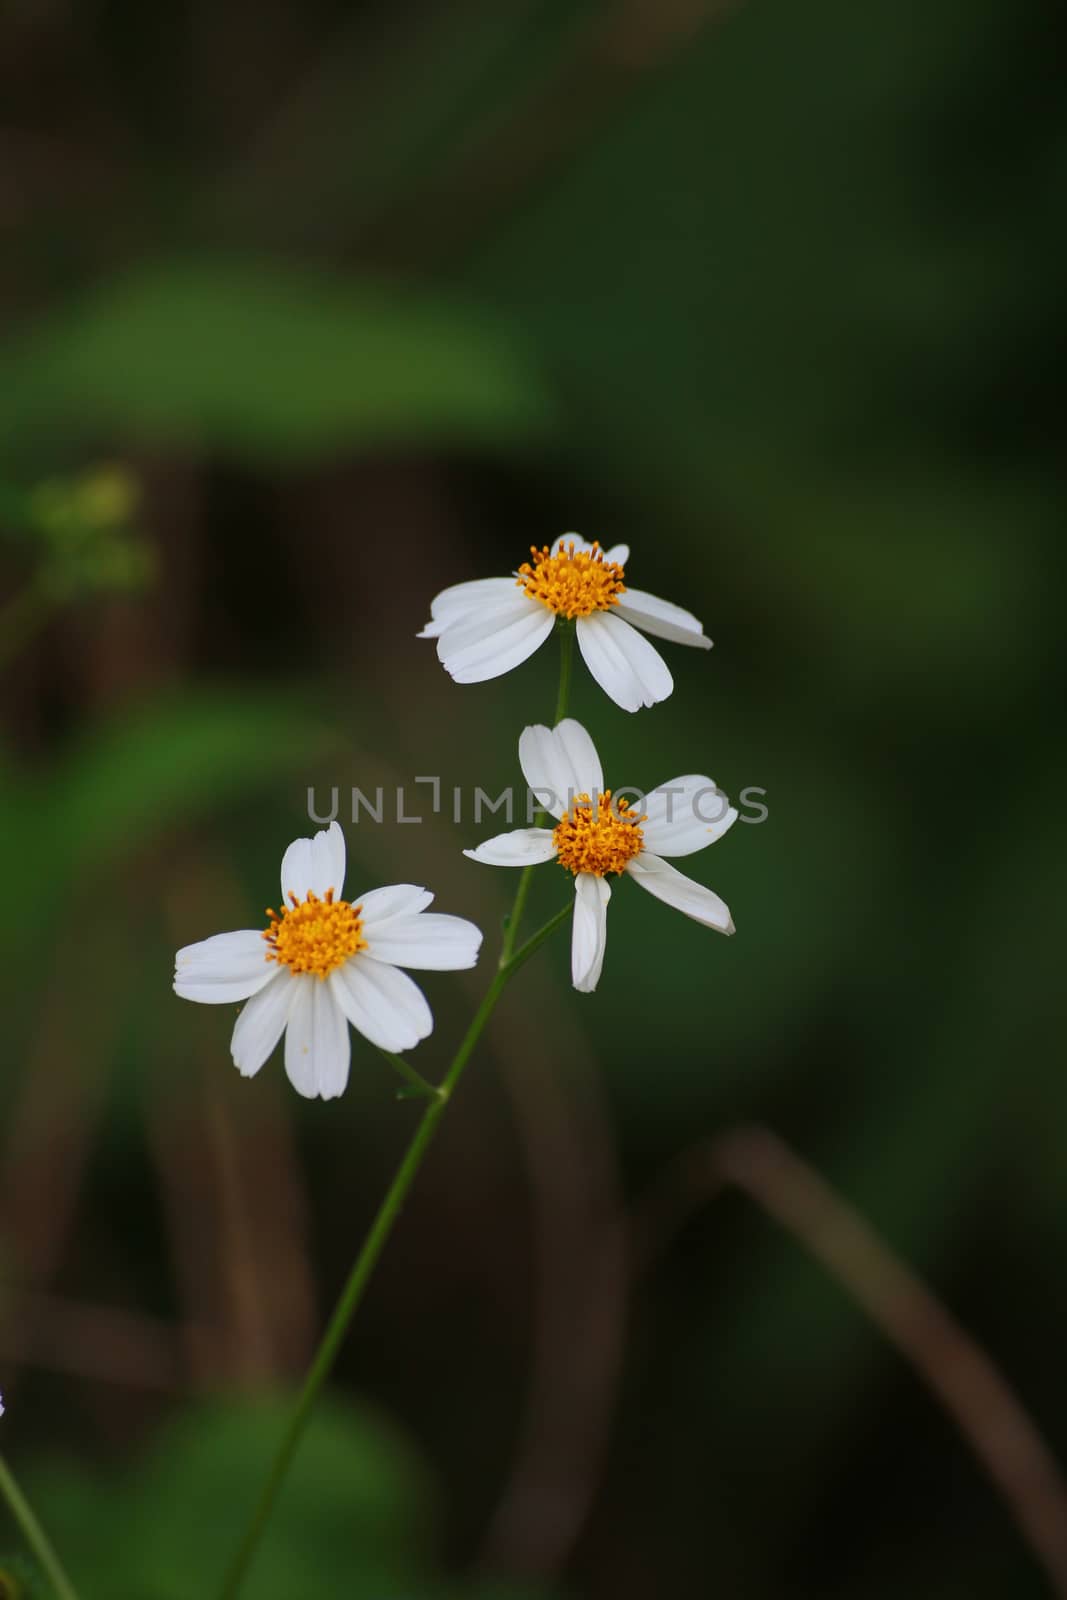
(597,841)
(314,935)
(572,583)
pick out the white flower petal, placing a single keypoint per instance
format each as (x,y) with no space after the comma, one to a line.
(462,600)
(661,618)
(524,847)
(628,669)
(589,934)
(559,763)
(432,941)
(331,1045)
(647,664)
(608,664)
(581,753)
(259,1027)
(383,1003)
(317,1045)
(223,969)
(299,1065)
(491,642)
(685,815)
(328,860)
(312,866)
(619,553)
(546,769)
(395,900)
(675,889)
(222,953)
(565,541)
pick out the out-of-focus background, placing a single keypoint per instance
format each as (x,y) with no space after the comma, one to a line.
(311,311)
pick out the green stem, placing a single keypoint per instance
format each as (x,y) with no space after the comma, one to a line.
(35,1535)
(367,1258)
(566,656)
(418,1083)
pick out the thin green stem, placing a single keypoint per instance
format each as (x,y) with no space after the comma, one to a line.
(566,632)
(35,1535)
(414,1078)
(367,1258)
(566,658)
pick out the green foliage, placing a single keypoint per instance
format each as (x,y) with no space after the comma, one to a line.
(131,782)
(779,306)
(19,1579)
(267,363)
(80,532)
(353,1518)
(86,529)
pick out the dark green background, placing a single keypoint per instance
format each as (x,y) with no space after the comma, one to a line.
(369,299)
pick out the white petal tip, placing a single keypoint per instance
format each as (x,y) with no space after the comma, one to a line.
(645,705)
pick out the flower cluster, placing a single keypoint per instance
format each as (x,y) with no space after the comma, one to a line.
(323,962)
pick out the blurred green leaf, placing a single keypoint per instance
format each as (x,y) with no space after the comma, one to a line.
(266,363)
(134,781)
(353,1517)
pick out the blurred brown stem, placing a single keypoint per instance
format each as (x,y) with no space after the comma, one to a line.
(953,1367)
(105,1343)
(22,616)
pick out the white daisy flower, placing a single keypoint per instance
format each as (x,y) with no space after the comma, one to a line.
(324,962)
(597,837)
(487,627)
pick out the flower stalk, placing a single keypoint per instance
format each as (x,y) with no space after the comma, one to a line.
(566,632)
(511,961)
(34,1534)
(416,1083)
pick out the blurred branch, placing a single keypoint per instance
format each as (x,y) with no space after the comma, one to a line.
(581,1288)
(22,616)
(253,1358)
(955,1369)
(98,1342)
(52,1125)
(242,1196)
